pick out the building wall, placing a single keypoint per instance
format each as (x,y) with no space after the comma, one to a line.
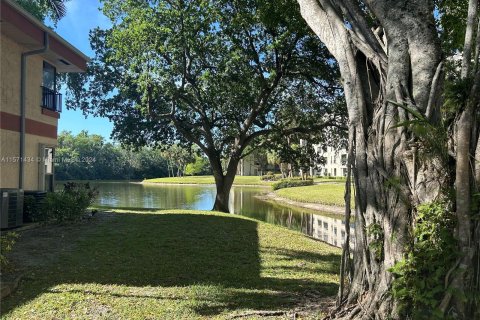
(247,167)
(41,125)
(335,164)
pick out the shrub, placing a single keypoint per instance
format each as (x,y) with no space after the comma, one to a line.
(292,182)
(419,282)
(7,240)
(30,208)
(271,177)
(70,204)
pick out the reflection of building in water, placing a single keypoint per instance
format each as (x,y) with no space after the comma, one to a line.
(331,230)
(313,223)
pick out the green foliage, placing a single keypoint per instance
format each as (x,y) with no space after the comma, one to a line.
(31,208)
(433,136)
(177,157)
(456,94)
(451,16)
(375,231)
(7,240)
(291,182)
(419,282)
(200,167)
(43,9)
(67,205)
(89,157)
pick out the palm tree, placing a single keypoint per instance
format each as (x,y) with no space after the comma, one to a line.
(41,9)
(58,7)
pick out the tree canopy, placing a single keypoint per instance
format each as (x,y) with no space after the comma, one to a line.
(43,9)
(87,156)
(218,74)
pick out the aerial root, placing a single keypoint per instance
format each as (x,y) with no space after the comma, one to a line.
(264,314)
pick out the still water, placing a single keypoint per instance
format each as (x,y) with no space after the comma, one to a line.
(246,201)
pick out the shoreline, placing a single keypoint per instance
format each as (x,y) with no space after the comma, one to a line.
(201,184)
(272,196)
(307,205)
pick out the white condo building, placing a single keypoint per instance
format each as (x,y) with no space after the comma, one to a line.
(335,161)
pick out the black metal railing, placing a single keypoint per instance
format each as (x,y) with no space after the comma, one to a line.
(51,100)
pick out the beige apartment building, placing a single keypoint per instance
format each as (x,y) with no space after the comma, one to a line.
(32,55)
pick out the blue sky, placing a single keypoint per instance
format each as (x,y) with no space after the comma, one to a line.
(82,16)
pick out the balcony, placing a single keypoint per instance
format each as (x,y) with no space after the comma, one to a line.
(51,100)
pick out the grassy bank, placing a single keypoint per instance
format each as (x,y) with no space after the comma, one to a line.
(239,180)
(170,265)
(332,179)
(328,194)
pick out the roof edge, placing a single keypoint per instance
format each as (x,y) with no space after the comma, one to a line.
(45,28)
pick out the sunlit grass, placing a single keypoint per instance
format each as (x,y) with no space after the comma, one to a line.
(331,179)
(327,193)
(175,265)
(239,180)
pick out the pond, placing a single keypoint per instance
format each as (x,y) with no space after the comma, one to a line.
(245,201)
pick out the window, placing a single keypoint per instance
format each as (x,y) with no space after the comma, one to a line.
(46,169)
(48,160)
(50,98)
(344,159)
(49,76)
(335,172)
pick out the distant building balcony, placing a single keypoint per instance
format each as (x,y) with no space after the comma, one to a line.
(51,100)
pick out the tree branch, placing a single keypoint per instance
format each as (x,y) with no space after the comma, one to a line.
(467,48)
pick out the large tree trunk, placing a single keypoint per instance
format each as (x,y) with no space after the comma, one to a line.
(223,182)
(222,198)
(386,74)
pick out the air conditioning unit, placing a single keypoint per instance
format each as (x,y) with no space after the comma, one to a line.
(11,210)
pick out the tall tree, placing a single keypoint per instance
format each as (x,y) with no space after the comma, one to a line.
(42,9)
(89,157)
(404,152)
(212,72)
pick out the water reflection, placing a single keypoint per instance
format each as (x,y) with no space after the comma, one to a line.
(327,227)
(246,201)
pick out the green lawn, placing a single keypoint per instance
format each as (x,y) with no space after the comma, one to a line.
(239,180)
(176,265)
(327,193)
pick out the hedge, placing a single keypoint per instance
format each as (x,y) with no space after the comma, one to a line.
(292,182)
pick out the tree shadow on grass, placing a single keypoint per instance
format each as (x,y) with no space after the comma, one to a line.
(180,250)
